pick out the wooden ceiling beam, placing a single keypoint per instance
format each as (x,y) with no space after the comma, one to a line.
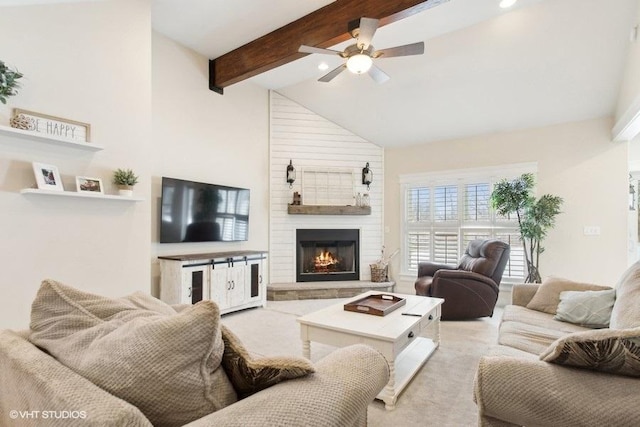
(324,28)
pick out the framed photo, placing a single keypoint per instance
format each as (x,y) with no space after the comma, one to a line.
(47,177)
(57,127)
(85,184)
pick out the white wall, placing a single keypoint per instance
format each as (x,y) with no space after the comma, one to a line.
(630,87)
(203,136)
(313,142)
(88,62)
(576,161)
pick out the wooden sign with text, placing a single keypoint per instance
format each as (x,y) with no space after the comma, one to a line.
(56,127)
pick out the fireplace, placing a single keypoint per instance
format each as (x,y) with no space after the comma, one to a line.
(327,254)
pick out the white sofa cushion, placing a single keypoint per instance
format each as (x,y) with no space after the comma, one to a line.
(587,308)
(532,331)
(137,348)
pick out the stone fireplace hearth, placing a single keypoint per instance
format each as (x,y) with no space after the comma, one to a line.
(324,290)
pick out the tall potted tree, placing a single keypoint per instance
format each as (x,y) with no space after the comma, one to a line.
(535,217)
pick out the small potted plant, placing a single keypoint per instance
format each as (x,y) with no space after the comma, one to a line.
(8,82)
(125,179)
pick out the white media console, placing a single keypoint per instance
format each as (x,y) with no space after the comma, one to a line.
(233,280)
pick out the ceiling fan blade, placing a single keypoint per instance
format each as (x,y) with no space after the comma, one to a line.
(311,49)
(378,75)
(406,50)
(331,74)
(368,27)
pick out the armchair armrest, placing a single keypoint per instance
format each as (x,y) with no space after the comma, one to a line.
(466,276)
(428,268)
(522,293)
(337,394)
(532,392)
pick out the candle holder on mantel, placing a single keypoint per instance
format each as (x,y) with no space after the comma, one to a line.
(297,199)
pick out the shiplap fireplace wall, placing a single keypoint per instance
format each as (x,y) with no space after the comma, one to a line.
(316,144)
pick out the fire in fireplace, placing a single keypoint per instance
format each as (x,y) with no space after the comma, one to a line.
(327,254)
(325,262)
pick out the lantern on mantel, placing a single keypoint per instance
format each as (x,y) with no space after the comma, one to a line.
(291,174)
(367,176)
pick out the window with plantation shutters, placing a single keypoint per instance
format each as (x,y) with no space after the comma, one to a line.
(419,248)
(442,217)
(476,202)
(445,203)
(516,267)
(418,204)
(445,247)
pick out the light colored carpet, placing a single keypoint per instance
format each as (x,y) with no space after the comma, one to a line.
(441,394)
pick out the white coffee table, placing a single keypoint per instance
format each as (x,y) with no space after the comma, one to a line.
(396,336)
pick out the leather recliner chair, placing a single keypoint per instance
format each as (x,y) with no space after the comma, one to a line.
(470,290)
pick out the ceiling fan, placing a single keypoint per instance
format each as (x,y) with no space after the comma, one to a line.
(360,55)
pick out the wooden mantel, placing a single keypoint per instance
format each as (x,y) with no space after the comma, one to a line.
(328,210)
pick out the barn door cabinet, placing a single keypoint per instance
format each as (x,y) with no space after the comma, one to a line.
(233,280)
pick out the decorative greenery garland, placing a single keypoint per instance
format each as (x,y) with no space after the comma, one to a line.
(8,82)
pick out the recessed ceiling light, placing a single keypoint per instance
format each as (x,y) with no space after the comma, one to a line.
(507,3)
(323,66)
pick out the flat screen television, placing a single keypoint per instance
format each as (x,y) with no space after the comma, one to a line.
(200,212)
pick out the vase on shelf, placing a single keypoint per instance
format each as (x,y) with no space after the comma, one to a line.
(125,190)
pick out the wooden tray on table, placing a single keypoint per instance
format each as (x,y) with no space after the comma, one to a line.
(377,304)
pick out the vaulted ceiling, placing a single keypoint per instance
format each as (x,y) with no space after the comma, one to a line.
(485,69)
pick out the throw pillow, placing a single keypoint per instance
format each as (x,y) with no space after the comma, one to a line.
(608,350)
(625,313)
(137,348)
(250,375)
(587,308)
(547,296)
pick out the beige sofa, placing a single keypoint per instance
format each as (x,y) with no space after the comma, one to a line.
(513,386)
(36,389)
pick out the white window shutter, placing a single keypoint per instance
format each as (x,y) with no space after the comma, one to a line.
(476,202)
(418,248)
(446,203)
(445,248)
(418,205)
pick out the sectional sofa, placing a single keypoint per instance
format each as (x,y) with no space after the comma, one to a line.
(550,372)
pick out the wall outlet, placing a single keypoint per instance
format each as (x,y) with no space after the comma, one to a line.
(591,230)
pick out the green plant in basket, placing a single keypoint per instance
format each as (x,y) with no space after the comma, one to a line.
(8,82)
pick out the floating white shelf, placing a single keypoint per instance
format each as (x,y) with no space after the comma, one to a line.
(39,192)
(35,136)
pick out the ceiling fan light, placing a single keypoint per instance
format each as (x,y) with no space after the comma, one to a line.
(359,64)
